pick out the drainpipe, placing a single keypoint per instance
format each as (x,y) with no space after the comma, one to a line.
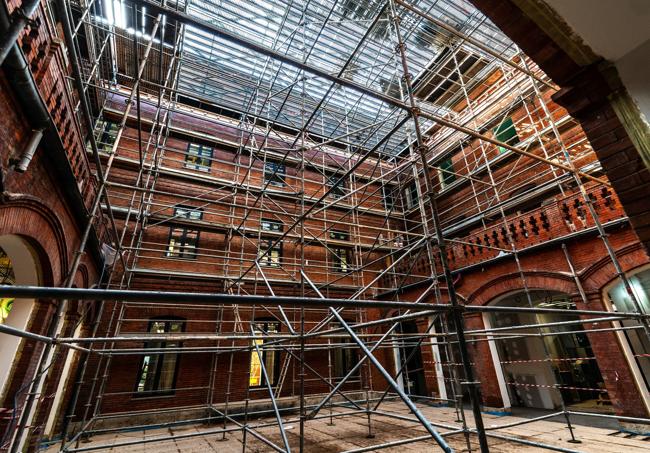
(12,26)
(29,151)
(20,77)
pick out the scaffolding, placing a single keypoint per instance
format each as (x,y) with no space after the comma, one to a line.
(380,110)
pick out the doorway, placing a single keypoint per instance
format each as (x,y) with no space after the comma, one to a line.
(410,357)
(534,365)
(637,340)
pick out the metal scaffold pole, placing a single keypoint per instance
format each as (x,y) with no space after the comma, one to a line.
(456,308)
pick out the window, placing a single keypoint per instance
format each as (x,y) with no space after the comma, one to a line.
(272,258)
(345,357)
(411,195)
(446,173)
(272,225)
(107,135)
(183,241)
(157,375)
(198,157)
(338,189)
(340,255)
(274,174)
(339,235)
(270,358)
(340,259)
(506,132)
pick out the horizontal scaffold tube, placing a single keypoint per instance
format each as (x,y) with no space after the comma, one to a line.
(211,298)
(177,297)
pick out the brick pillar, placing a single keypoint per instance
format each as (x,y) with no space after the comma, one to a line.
(428,360)
(484,370)
(586,100)
(617,375)
(51,384)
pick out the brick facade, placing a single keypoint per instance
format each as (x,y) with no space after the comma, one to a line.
(34,206)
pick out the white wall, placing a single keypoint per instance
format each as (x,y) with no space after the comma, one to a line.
(618,31)
(27,273)
(634,69)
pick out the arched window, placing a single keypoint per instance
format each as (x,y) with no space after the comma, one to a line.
(157,373)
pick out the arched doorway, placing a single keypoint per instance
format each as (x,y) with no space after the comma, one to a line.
(636,343)
(410,359)
(531,366)
(19,266)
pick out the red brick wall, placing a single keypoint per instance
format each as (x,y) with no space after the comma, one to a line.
(546,268)
(33,204)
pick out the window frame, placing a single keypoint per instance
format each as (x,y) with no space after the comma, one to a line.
(338,188)
(168,320)
(341,353)
(275,173)
(505,131)
(201,158)
(279,225)
(388,194)
(106,137)
(341,255)
(180,250)
(267,259)
(339,235)
(446,173)
(411,194)
(275,352)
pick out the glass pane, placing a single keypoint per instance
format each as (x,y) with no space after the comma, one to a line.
(339,235)
(340,259)
(6,303)
(147,379)
(168,371)
(275,256)
(621,301)
(274,173)
(188,213)
(255,378)
(506,132)
(144,373)
(344,262)
(446,172)
(157,327)
(198,157)
(269,364)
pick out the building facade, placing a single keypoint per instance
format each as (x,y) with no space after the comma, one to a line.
(169,190)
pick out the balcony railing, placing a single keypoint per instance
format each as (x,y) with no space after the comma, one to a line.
(555,220)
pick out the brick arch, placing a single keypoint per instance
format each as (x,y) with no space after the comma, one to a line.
(81,278)
(602,273)
(27,217)
(508,283)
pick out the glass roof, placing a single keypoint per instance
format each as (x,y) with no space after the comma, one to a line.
(326,35)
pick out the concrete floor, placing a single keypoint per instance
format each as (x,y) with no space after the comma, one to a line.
(350,433)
